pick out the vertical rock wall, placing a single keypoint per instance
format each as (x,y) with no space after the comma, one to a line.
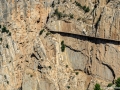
(33,61)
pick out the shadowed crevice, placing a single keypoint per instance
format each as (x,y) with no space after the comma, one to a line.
(33,55)
(110,68)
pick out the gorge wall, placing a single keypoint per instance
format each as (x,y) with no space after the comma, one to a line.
(30,48)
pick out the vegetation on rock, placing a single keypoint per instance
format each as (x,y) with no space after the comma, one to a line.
(9,34)
(50,67)
(109,85)
(76,73)
(7,46)
(1,39)
(53,4)
(62,46)
(86,9)
(97,87)
(117,82)
(48,33)
(58,14)
(66,66)
(4,30)
(71,16)
(78,4)
(68,87)
(41,32)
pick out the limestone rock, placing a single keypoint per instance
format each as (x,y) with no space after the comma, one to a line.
(31,36)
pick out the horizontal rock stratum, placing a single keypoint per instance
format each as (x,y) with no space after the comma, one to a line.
(59,44)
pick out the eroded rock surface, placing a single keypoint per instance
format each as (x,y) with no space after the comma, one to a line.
(30,48)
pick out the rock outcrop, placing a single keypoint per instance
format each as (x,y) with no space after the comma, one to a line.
(31,32)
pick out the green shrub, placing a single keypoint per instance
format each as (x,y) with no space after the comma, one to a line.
(50,67)
(48,33)
(109,85)
(76,73)
(62,42)
(53,4)
(62,46)
(78,4)
(58,14)
(7,82)
(9,34)
(58,1)
(5,76)
(66,66)
(71,16)
(41,32)
(1,39)
(31,75)
(86,9)
(7,46)
(68,87)
(4,30)
(97,87)
(64,15)
(117,82)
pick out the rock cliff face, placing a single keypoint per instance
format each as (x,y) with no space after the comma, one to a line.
(31,32)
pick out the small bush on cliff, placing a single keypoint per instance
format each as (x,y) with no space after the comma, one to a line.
(62,42)
(62,46)
(66,66)
(97,87)
(7,46)
(31,75)
(41,32)
(109,85)
(50,67)
(9,34)
(4,30)
(58,14)
(48,33)
(117,82)
(78,4)
(7,82)
(53,4)
(71,16)
(1,39)
(58,1)
(68,87)
(86,9)
(76,73)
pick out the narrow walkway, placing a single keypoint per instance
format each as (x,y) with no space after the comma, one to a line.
(87,38)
